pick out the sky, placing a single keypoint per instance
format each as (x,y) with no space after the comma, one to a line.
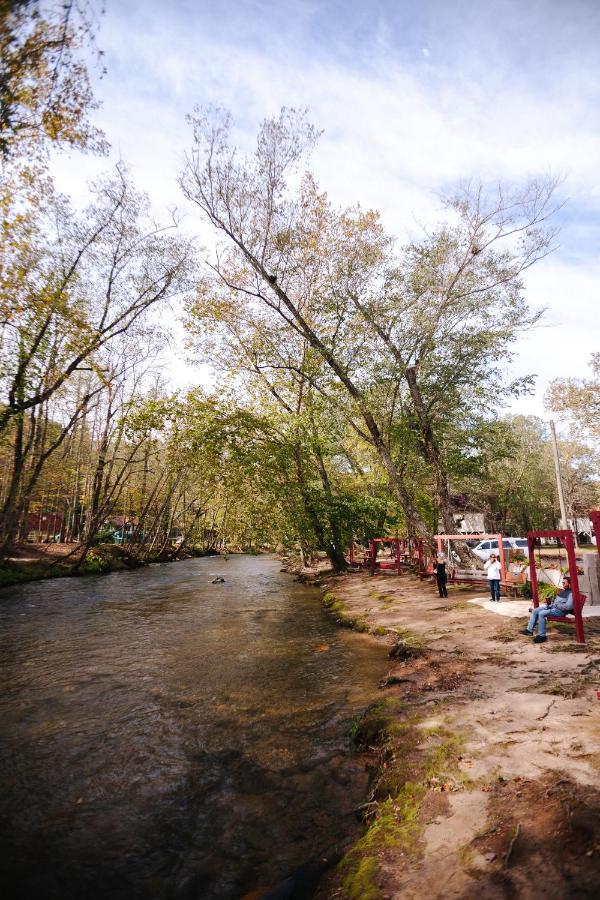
(412,97)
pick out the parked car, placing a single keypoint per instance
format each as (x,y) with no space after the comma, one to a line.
(485,548)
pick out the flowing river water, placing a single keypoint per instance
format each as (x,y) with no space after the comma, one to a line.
(164,737)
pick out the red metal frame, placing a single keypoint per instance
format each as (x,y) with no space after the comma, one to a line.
(594,516)
(365,561)
(408,551)
(382,566)
(568,542)
(471,537)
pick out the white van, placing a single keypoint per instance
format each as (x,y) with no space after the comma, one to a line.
(484,549)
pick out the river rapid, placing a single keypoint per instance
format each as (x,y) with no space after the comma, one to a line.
(165,737)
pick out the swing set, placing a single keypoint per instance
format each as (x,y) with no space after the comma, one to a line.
(457,575)
(404,554)
(565,539)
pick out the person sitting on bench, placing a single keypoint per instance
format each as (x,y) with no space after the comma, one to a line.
(560,606)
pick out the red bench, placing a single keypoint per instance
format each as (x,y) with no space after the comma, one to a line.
(568,617)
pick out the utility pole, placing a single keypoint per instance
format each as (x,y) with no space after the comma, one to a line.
(561,494)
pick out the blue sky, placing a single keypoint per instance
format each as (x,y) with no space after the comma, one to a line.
(412,97)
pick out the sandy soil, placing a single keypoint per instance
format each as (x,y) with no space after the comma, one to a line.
(488,781)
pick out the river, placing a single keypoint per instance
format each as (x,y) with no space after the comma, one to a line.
(166,737)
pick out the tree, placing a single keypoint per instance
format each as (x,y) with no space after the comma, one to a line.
(512,477)
(288,253)
(577,401)
(84,282)
(450,308)
(78,284)
(45,92)
(408,337)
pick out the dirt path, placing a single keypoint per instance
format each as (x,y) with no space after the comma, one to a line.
(486,746)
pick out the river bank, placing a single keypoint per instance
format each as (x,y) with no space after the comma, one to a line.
(488,779)
(36,562)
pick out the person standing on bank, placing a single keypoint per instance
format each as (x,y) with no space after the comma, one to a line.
(493,573)
(440,575)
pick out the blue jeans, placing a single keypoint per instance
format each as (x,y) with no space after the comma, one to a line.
(494,584)
(538,617)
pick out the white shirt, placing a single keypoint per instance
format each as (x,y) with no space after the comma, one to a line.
(493,569)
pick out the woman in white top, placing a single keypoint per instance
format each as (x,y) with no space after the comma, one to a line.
(493,573)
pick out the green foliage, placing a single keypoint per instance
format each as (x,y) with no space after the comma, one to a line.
(95,563)
(546,591)
(105,536)
(11,574)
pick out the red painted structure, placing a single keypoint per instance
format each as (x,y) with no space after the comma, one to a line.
(48,523)
(452,577)
(566,539)
(594,516)
(406,552)
(384,564)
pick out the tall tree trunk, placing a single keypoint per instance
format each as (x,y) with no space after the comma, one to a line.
(313,514)
(9,516)
(335,548)
(431,452)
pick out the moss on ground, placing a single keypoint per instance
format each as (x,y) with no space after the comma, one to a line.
(408,645)
(373,726)
(359,885)
(415,761)
(331,602)
(99,560)
(339,609)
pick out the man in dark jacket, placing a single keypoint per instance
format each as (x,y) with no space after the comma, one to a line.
(562,604)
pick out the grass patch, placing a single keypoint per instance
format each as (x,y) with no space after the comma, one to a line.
(563,627)
(573,647)
(508,633)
